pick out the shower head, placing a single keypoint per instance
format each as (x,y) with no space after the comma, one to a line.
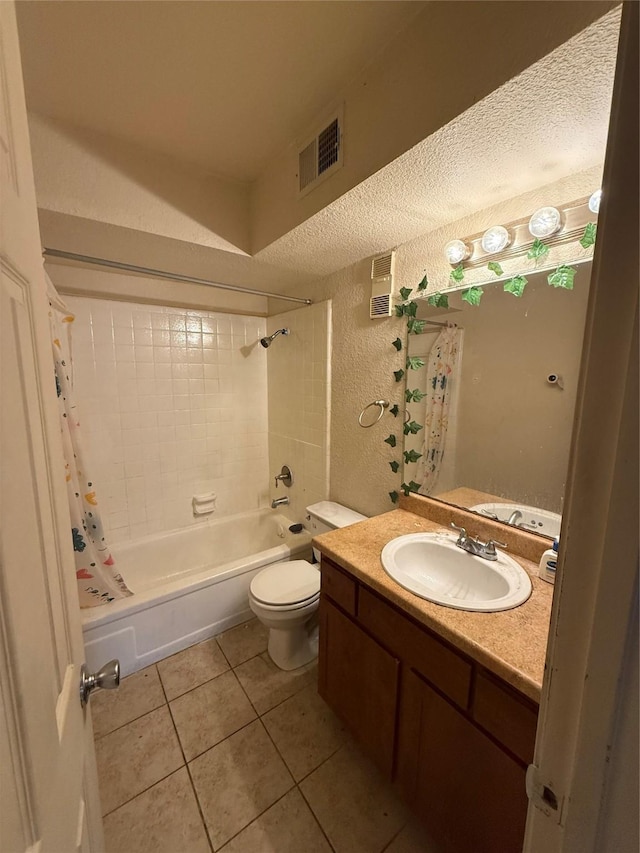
(267,341)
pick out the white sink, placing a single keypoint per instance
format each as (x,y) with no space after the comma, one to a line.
(531,517)
(433,567)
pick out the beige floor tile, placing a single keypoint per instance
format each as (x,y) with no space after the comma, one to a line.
(287,827)
(210,713)
(164,819)
(356,807)
(237,780)
(412,839)
(305,731)
(137,695)
(135,757)
(191,667)
(244,641)
(267,686)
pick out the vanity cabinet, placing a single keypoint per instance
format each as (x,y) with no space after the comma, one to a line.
(454,738)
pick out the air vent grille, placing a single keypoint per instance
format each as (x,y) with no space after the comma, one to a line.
(380,306)
(328,146)
(381,265)
(321,155)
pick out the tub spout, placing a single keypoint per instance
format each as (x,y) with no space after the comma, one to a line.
(279,502)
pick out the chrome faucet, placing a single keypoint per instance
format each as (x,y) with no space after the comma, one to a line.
(486,550)
(515,517)
(279,502)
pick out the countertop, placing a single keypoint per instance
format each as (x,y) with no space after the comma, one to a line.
(511,644)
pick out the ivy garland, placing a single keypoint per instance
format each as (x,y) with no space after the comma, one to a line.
(561,277)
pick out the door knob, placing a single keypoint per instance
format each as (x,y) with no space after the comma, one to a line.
(107,678)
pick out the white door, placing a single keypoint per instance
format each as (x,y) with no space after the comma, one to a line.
(48,786)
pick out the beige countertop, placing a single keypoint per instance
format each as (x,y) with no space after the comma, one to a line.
(512,644)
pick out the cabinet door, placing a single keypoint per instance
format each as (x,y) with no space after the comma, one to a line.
(359,680)
(469,793)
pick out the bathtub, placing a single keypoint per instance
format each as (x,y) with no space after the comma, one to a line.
(188,585)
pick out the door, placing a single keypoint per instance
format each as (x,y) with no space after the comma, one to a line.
(48,780)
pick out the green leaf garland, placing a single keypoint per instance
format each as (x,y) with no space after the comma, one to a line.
(515,285)
(395,410)
(495,267)
(409,487)
(395,466)
(394,496)
(457,274)
(397,344)
(438,300)
(391,440)
(398,374)
(473,295)
(423,284)
(538,250)
(411,456)
(412,427)
(415,363)
(405,293)
(589,236)
(413,396)
(562,277)
(415,327)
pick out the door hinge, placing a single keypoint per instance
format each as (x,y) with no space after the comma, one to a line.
(542,794)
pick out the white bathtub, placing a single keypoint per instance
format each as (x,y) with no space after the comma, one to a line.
(188,585)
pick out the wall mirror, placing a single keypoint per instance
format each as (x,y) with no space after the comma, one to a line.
(509,424)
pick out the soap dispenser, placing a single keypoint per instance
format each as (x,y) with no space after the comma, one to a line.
(549,563)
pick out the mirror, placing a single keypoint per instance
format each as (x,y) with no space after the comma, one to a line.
(509,423)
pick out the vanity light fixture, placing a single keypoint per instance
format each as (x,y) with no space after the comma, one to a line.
(594,201)
(457,251)
(545,222)
(495,239)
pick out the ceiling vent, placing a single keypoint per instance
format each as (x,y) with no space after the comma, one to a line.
(382,269)
(321,154)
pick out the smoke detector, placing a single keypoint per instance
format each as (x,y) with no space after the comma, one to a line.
(382,270)
(321,154)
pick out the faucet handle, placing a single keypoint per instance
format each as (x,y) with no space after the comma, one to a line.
(490,547)
(461,531)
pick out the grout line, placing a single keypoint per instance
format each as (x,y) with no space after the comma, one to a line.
(133,720)
(315,816)
(257,817)
(144,790)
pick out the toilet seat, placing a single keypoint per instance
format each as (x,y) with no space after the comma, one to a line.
(287,585)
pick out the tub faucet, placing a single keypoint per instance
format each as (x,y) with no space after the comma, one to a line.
(486,550)
(279,502)
(515,517)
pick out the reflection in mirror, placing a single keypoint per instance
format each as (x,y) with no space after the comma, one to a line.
(507,432)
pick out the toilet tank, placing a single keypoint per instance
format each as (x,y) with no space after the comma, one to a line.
(328,515)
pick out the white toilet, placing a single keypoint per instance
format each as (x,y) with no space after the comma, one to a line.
(285,596)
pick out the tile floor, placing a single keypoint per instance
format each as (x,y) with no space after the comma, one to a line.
(217,749)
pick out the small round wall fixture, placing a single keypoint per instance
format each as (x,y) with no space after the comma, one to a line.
(545,222)
(594,201)
(495,239)
(457,251)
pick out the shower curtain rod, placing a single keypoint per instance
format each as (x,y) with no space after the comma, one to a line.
(172,276)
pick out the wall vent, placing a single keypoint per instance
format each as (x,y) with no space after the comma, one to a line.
(382,269)
(321,154)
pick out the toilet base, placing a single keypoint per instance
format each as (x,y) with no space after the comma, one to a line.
(292,648)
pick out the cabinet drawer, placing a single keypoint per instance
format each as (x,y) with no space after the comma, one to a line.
(417,647)
(509,718)
(338,586)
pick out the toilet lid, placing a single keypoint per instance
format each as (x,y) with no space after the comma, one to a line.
(286,583)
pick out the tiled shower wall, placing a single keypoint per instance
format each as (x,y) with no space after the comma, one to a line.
(173,404)
(299,401)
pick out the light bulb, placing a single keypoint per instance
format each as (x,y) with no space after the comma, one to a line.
(594,201)
(495,239)
(456,251)
(545,222)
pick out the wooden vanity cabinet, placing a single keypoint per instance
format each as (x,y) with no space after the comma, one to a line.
(454,738)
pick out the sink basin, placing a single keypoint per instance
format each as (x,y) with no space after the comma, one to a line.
(433,567)
(531,518)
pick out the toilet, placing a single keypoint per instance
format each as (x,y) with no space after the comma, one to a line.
(285,596)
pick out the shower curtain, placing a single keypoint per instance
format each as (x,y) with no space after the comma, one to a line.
(441,367)
(96,575)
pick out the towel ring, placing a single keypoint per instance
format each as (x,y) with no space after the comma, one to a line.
(384,404)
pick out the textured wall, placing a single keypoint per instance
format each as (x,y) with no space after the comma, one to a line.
(174,403)
(299,385)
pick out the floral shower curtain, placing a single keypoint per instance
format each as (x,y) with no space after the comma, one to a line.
(97,577)
(443,359)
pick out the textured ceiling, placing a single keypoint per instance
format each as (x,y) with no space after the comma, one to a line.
(549,122)
(222,85)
